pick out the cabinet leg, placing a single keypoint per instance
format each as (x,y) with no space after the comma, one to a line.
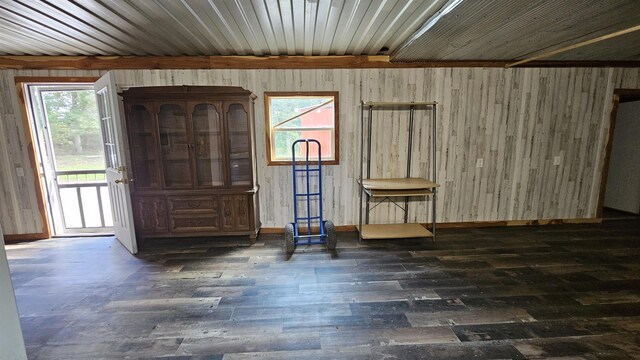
(253,238)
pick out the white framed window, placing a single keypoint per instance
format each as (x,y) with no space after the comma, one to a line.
(301,115)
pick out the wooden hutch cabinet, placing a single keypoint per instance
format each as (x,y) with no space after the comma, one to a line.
(192,151)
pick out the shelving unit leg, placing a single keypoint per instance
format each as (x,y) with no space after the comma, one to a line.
(361,170)
(409,150)
(434,170)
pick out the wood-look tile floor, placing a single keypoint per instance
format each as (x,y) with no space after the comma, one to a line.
(565,292)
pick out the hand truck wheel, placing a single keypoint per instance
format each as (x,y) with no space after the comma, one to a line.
(289,241)
(330,230)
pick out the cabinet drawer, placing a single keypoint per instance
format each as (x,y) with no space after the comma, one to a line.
(190,204)
(195,223)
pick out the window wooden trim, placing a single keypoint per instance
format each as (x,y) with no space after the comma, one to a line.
(336,127)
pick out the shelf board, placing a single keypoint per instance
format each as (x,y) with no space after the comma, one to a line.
(173,131)
(239,156)
(397,105)
(398,184)
(391,193)
(394,231)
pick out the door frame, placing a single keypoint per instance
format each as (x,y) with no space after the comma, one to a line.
(618,94)
(31,147)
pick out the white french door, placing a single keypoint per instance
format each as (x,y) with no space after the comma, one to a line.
(118,181)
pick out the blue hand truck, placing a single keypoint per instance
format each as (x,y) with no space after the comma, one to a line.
(303,170)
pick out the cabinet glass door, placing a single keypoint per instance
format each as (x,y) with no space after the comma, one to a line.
(174,145)
(239,147)
(143,147)
(207,136)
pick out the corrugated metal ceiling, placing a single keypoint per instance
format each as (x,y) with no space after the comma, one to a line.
(209,27)
(516,29)
(473,30)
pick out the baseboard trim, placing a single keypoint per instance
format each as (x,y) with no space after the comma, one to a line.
(16,238)
(280,230)
(476,224)
(468,224)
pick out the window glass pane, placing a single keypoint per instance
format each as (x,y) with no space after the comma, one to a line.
(325,137)
(283,141)
(313,111)
(293,117)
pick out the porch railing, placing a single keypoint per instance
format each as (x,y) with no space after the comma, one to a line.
(91,204)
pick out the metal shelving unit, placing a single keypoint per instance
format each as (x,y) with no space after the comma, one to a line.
(390,188)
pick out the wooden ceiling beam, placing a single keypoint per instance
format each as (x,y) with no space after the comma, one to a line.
(261,62)
(214,62)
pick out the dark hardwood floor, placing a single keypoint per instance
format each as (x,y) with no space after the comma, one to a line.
(566,291)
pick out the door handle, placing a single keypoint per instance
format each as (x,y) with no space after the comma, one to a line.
(124,181)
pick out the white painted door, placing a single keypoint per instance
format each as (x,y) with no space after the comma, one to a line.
(118,180)
(623,182)
(11,340)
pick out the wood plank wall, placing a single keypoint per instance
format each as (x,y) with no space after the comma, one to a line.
(517,120)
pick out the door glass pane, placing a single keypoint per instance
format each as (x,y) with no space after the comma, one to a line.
(71,207)
(208,145)
(89,200)
(75,132)
(106,204)
(143,151)
(239,149)
(107,131)
(174,145)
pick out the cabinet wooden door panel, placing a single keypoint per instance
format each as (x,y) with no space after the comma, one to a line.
(151,213)
(228,217)
(241,212)
(235,213)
